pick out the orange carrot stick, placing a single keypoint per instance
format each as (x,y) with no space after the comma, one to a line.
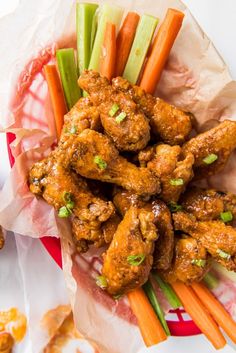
(199,314)
(56,95)
(107,63)
(160,50)
(124,41)
(216,309)
(149,325)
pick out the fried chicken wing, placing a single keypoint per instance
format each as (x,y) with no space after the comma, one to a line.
(121,118)
(207,205)
(163,252)
(218,238)
(169,123)
(2,240)
(191,262)
(169,166)
(219,142)
(6,342)
(128,260)
(94,156)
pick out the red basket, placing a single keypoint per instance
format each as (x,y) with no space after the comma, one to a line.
(28,101)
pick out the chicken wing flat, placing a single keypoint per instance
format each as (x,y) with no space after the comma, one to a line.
(94,156)
(191,262)
(212,148)
(207,205)
(121,118)
(164,245)
(128,260)
(2,240)
(169,123)
(218,238)
(169,166)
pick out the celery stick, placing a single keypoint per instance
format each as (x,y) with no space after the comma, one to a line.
(93,30)
(84,19)
(142,40)
(107,13)
(210,280)
(168,292)
(156,306)
(68,72)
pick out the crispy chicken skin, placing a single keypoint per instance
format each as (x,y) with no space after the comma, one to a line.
(190,262)
(169,166)
(169,123)
(2,240)
(6,342)
(135,236)
(207,205)
(218,238)
(221,141)
(94,156)
(164,245)
(53,182)
(130,134)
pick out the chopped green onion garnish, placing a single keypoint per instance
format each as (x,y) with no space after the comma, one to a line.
(135,260)
(70,205)
(64,212)
(223,254)
(73,130)
(67,196)
(120,117)
(174,207)
(101,282)
(100,162)
(226,216)
(176,182)
(210,280)
(211,158)
(199,262)
(117,297)
(114,109)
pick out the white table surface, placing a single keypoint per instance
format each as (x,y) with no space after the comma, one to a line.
(217,18)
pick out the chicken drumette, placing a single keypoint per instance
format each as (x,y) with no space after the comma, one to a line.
(128,260)
(218,238)
(121,118)
(172,169)
(169,123)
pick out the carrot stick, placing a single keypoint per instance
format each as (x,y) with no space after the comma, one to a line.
(56,95)
(199,314)
(149,325)
(216,309)
(161,49)
(125,40)
(107,63)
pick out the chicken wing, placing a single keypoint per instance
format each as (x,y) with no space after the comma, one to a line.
(169,123)
(218,238)
(212,148)
(191,262)
(163,252)
(173,171)
(2,240)
(207,205)
(128,260)
(6,342)
(121,118)
(93,155)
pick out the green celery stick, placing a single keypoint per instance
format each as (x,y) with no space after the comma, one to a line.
(138,52)
(210,280)
(168,292)
(107,13)
(84,18)
(156,306)
(68,72)
(93,30)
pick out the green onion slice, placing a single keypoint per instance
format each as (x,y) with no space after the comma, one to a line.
(135,260)
(67,196)
(211,158)
(174,207)
(73,130)
(101,282)
(114,109)
(120,117)
(100,162)
(64,212)
(226,216)
(223,254)
(176,182)
(117,297)
(199,262)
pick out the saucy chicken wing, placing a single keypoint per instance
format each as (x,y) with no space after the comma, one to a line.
(212,149)
(169,166)
(190,263)
(169,123)
(218,238)
(121,118)
(163,252)
(94,156)
(6,342)
(128,260)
